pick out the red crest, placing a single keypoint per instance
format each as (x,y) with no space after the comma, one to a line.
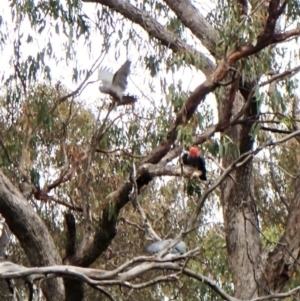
(194,152)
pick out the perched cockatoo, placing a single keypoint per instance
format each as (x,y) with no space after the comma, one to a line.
(115,84)
(157,246)
(194,159)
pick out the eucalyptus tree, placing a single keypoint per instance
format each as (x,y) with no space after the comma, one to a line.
(86,184)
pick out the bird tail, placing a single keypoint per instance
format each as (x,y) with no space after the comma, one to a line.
(127,100)
(203,177)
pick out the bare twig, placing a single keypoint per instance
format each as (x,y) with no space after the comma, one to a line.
(139,208)
(46,197)
(81,87)
(127,153)
(124,220)
(221,167)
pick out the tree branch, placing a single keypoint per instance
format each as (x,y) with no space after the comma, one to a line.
(95,277)
(236,164)
(156,30)
(191,17)
(31,232)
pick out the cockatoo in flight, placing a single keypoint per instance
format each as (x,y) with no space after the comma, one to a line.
(115,84)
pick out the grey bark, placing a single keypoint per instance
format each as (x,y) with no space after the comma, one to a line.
(239,208)
(191,17)
(156,30)
(32,234)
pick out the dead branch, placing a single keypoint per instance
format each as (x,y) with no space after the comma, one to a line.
(139,208)
(127,153)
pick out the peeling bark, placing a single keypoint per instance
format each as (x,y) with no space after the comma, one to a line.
(239,209)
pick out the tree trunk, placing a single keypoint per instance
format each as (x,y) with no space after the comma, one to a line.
(239,208)
(32,234)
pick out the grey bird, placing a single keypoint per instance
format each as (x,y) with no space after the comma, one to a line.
(115,84)
(157,246)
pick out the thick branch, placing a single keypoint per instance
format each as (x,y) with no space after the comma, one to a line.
(191,17)
(156,30)
(31,232)
(95,277)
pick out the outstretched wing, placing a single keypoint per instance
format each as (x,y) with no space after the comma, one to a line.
(120,78)
(106,76)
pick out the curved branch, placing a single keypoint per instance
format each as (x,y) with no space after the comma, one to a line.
(95,277)
(191,17)
(156,30)
(31,232)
